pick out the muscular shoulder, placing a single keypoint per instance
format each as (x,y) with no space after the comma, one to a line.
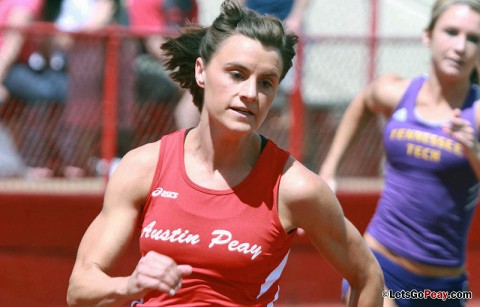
(385,92)
(144,156)
(299,183)
(134,174)
(304,198)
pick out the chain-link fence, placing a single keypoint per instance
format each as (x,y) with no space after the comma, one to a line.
(105,113)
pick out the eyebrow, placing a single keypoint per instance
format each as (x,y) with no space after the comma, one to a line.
(272,73)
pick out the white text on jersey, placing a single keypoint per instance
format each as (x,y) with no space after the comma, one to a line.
(164,193)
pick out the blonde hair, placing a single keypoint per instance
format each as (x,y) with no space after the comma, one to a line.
(440,6)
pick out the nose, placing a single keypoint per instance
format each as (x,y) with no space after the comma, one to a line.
(249,89)
(460,43)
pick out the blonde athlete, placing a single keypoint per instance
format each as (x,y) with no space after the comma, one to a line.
(419,230)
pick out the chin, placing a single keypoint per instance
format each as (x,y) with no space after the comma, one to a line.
(243,128)
(453,74)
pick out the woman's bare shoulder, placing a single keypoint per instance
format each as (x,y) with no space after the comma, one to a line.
(305,199)
(135,172)
(389,86)
(143,156)
(385,92)
(300,184)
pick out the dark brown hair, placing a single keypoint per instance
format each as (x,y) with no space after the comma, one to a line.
(196,41)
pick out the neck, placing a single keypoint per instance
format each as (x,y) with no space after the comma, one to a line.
(222,150)
(454,92)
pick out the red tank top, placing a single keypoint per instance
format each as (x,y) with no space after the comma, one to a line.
(232,238)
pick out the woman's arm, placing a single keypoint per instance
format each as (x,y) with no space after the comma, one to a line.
(306,202)
(109,235)
(381,96)
(461,130)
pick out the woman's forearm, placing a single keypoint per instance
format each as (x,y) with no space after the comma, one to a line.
(347,130)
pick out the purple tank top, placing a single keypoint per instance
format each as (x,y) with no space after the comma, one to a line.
(430,193)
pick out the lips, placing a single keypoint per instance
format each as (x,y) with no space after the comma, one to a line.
(243,111)
(456,62)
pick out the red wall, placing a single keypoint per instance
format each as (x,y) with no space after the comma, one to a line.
(39,236)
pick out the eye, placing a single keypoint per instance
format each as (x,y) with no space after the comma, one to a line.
(473,39)
(236,75)
(451,31)
(266,83)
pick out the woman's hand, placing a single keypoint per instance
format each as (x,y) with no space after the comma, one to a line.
(462,131)
(157,272)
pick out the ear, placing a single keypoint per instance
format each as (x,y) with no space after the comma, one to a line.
(426,38)
(200,72)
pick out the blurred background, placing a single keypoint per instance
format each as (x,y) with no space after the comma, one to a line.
(79,93)
(97,108)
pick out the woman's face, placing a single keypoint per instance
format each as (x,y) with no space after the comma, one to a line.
(454,41)
(240,83)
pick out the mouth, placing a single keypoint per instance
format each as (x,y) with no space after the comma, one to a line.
(456,62)
(243,111)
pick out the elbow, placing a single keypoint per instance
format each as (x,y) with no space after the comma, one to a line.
(367,289)
(379,278)
(378,294)
(72,298)
(372,279)
(376,280)
(375,276)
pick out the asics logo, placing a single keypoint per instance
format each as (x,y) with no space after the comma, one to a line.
(164,193)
